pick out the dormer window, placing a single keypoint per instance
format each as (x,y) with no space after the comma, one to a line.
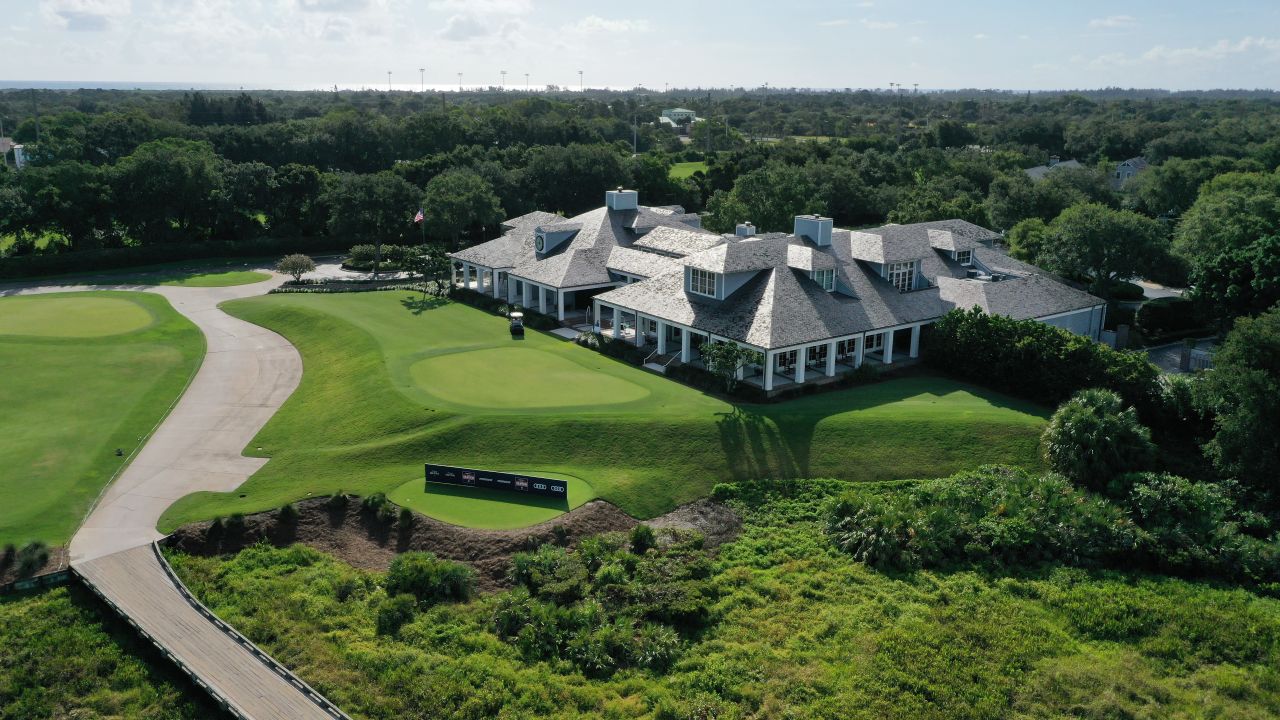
(964,257)
(702,282)
(902,275)
(825,278)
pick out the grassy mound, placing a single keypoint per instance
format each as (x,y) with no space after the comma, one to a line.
(71,399)
(488,509)
(368,414)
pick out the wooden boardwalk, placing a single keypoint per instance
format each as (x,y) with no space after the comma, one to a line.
(139,585)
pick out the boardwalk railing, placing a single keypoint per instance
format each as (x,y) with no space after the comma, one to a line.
(220,697)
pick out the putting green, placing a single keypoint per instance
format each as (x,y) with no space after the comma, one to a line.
(489,509)
(516,377)
(71,317)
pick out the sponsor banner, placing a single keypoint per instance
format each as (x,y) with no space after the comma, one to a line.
(513,482)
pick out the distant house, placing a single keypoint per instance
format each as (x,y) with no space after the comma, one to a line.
(814,303)
(19,157)
(1040,171)
(1126,171)
(678,116)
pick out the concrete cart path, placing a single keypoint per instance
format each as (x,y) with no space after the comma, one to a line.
(247,374)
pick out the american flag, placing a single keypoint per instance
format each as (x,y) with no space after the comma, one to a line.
(419,217)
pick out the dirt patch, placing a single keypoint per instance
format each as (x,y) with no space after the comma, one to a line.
(359,537)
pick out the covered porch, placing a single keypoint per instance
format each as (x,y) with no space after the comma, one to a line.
(826,361)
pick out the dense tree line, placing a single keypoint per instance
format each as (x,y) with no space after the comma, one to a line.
(117,169)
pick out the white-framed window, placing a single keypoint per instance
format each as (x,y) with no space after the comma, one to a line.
(902,275)
(874,342)
(702,282)
(825,278)
(964,257)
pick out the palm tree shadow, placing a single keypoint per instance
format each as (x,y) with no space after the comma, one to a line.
(755,446)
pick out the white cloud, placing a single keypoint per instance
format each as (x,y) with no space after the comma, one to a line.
(1267,48)
(339,6)
(981,36)
(475,19)
(878,24)
(866,4)
(593,24)
(834,23)
(915,40)
(85,15)
(1113,21)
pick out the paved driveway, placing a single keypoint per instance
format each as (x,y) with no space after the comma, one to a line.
(247,374)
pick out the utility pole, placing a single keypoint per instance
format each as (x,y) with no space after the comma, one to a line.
(422,79)
(388,81)
(459,82)
(504,79)
(579,81)
(526,82)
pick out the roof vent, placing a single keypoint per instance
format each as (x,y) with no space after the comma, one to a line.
(814,228)
(745,229)
(622,199)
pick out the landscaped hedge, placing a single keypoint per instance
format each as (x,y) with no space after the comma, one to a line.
(484,301)
(1170,318)
(1037,361)
(114,258)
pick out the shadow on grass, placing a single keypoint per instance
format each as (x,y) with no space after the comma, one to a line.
(419,305)
(502,496)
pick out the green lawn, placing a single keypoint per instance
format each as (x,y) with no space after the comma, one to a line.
(489,509)
(213,272)
(392,381)
(682,170)
(83,374)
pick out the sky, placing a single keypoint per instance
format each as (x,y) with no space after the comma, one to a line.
(299,44)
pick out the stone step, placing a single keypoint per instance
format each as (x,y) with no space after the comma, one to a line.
(655,367)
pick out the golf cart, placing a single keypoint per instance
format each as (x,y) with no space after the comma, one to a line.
(517,324)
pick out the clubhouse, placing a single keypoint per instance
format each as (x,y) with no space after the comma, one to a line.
(816,302)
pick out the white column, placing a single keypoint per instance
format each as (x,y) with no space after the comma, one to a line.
(495,283)
(831,359)
(466,276)
(888,347)
(684,345)
(479,279)
(857,350)
(595,315)
(802,359)
(639,331)
(511,289)
(768,371)
(560,305)
(617,323)
(662,338)
(526,287)
(542,300)
(915,341)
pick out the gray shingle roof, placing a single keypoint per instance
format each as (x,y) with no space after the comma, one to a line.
(677,241)
(1021,298)
(639,262)
(1040,171)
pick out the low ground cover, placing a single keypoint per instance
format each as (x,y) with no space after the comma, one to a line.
(394,380)
(787,625)
(682,170)
(66,656)
(85,374)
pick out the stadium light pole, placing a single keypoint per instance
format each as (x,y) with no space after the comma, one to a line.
(459,82)
(388,81)
(422,79)
(579,81)
(526,82)
(503,86)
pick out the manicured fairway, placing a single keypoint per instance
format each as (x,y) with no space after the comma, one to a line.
(392,380)
(208,279)
(488,509)
(83,374)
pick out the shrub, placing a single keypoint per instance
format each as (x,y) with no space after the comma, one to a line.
(406,520)
(374,502)
(1092,438)
(995,515)
(288,514)
(429,579)
(33,556)
(1121,290)
(7,556)
(642,539)
(1169,316)
(235,523)
(394,613)
(337,501)
(1038,361)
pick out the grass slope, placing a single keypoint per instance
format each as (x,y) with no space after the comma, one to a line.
(682,170)
(213,272)
(84,374)
(66,656)
(392,381)
(799,630)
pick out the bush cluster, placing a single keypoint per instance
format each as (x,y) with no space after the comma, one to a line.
(497,306)
(428,579)
(125,257)
(1170,318)
(361,257)
(1037,361)
(1006,518)
(615,602)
